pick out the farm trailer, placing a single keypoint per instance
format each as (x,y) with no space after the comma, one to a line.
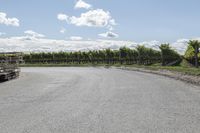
(9,65)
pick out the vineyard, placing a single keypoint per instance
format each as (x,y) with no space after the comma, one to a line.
(141,55)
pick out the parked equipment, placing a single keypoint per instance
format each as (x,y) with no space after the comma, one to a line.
(9,65)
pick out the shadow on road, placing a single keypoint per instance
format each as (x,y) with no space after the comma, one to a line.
(2,82)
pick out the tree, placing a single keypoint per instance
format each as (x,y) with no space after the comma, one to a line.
(168,55)
(147,56)
(122,54)
(141,55)
(195,44)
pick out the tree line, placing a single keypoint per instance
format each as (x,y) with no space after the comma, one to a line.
(140,55)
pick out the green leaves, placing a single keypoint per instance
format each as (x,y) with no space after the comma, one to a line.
(192,53)
(169,55)
(141,55)
(122,56)
(148,55)
(195,44)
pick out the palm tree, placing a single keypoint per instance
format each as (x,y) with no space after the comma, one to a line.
(196,45)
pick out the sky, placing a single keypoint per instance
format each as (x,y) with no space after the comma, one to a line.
(71,25)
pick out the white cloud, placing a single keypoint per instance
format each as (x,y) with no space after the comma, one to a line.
(62,17)
(109,34)
(76,38)
(110,28)
(32,44)
(8,21)
(82,4)
(34,34)
(92,18)
(112,22)
(180,45)
(62,30)
(151,44)
(95,18)
(29,44)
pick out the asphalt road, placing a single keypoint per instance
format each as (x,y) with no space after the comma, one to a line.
(97,100)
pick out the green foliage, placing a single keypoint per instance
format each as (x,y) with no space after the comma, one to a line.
(147,55)
(192,53)
(122,56)
(141,55)
(195,44)
(169,56)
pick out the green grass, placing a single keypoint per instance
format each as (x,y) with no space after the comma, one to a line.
(184,68)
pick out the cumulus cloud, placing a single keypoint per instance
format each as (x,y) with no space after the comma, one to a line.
(112,22)
(29,44)
(110,28)
(62,17)
(82,4)
(109,34)
(76,38)
(8,21)
(180,45)
(92,18)
(33,44)
(151,44)
(34,34)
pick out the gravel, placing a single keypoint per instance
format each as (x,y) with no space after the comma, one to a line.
(97,100)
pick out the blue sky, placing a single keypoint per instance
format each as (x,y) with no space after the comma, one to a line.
(135,20)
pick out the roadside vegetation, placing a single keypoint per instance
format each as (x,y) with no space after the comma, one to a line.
(164,58)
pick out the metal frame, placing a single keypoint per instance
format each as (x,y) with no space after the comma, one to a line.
(9,65)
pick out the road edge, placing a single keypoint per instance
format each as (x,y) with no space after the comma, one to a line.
(195,80)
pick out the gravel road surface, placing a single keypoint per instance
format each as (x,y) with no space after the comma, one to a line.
(97,100)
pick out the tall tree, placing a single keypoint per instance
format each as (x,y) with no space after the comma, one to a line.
(196,45)
(169,56)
